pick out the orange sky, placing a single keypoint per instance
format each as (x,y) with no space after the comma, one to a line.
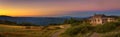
(54,8)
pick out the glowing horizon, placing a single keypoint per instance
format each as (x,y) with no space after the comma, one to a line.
(55,8)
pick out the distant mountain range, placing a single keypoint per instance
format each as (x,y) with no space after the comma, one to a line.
(35,20)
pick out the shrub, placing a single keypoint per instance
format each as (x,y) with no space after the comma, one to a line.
(81,29)
(27,24)
(75,24)
(112,35)
(7,22)
(71,21)
(105,27)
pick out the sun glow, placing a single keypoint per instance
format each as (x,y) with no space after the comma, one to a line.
(26,12)
(15,12)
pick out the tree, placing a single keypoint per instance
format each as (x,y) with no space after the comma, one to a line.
(71,21)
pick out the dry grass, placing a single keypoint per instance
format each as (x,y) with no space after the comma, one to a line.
(21,31)
(8,26)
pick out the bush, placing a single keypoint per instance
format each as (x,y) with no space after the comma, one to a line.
(75,24)
(81,29)
(112,35)
(27,24)
(7,22)
(71,21)
(105,27)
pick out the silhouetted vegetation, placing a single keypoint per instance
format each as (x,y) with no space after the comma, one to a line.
(27,24)
(7,22)
(4,16)
(70,21)
(55,24)
(73,21)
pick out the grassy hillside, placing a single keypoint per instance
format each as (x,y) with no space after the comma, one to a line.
(111,29)
(23,31)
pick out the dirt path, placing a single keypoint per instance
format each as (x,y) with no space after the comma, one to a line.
(58,33)
(95,35)
(61,31)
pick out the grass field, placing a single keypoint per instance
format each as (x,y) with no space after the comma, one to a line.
(20,31)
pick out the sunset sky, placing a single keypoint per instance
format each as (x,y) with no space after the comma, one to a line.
(50,8)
